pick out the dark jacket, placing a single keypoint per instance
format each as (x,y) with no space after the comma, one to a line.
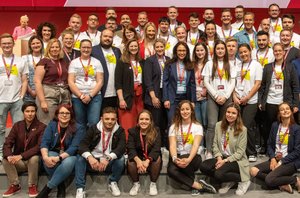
(15,141)
(124,80)
(293,144)
(152,79)
(93,137)
(293,54)
(170,84)
(134,145)
(290,85)
(98,54)
(71,142)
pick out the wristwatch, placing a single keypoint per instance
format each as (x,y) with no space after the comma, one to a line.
(107,158)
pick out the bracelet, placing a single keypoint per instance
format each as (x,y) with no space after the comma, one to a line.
(174,158)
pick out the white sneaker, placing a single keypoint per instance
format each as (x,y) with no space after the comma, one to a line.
(153,189)
(80,193)
(242,187)
(252,158)
(114,189)
(225,187)
(135,189)
(208,155)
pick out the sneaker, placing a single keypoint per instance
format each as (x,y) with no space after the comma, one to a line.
(252,158)
(80,193)
(195,192)
(242,187)
(135,189)
(114,189)
(32,191)
(225,187)
(287,188)
(13,189)
(153,189)
(207,187)
(208,155)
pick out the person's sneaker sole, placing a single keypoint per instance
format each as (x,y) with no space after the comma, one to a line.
(207,187)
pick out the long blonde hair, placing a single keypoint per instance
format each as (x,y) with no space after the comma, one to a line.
(50,43)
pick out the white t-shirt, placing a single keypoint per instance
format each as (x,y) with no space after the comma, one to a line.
(111,63)
(210,47)
(137,72)
(117,41)
(275,29)
(282,140)
(10,88)
(295,40)
(225,143)
(93,37)
(196,129)
(224,34)
(263,57)
(254,72)
(193,37)
(171,41)
(238,25)
(78,38)
(275,95)
(85,85)
(218,86)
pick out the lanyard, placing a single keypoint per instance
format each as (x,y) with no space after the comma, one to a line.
(59,68)
(161,62)
(67,54)
(135,68)
(90,36)
(85,69)
(198,75)
(180,72)
(8,71)
(33,62)
(224,33)
(197,38)
(277,75)
(226,140)
(274,28)
(243,74)
(62,146)
(144,146)
(220,72)
(280,142)
(263,60)
(187,135)
(105,143)
(173,31)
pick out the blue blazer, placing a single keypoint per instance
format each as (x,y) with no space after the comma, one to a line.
(293,145)
(71,142)
(98,53)
(170,79)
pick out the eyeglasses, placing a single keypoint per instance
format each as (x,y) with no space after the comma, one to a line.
(64,113)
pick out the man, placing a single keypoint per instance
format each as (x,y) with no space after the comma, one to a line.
(288,23)
(232,47)
(163,29)
(194,34)
(110,12)
(142,21)
(92,33)
(173,14)
(264,54)
(247,35)
(108,57)
(111,24)
(275,21)
(21,151)
(102,150)
(75,24)
(13,85)
(125,21)
(226,30)
(239,15)
(208,15)
(292,53)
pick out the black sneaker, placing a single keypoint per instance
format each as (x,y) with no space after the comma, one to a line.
(195,192)
(207,187)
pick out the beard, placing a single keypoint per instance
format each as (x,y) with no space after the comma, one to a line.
(105,46)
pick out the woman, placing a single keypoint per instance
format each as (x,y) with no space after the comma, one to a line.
(284,153)
(35,46)
(129,33)
(230,164)
(154,67)
(144,152)
(200,58)
(178,79)
(46,31)
(279,84)
(85,80)
(210,37)
(23,29)
(146,45)
(59,147)
(50,79)
(249,76)
(128,83)
(68,43)
(185,135)
(219,79)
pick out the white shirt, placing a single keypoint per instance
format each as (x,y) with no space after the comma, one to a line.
(263,57)
(111,63)
(282,141)
(275,95)
(93,37)
(224,34)
(171,41)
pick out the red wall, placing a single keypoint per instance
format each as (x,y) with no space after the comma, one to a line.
(9,16)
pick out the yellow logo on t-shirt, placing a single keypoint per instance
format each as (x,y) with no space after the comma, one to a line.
(190,139)
(247,74)
(77,44)
(90,69)
(14,69)
(292,44)
(168,46)
(263,61)
(284,139)
(277,28)
(252,44)
(111,58)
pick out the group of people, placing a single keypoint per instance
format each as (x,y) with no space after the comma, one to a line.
(160,85)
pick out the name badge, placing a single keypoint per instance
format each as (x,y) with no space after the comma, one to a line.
(8,83)
(278,86)
(220,87)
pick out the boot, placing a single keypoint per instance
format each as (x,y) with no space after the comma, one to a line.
(61,190)
(45,192)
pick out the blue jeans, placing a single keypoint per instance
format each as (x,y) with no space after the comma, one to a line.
(61,171)
(16,113)
(115,168)
(87,114)
(201,112)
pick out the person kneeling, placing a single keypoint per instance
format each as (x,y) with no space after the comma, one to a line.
(21,149)
(102,150)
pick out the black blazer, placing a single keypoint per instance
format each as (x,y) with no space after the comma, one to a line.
(293,145)
(124,80)
(293,54)
(98,53)
(134,145)
(152,79)
(290,85)
(93,137)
